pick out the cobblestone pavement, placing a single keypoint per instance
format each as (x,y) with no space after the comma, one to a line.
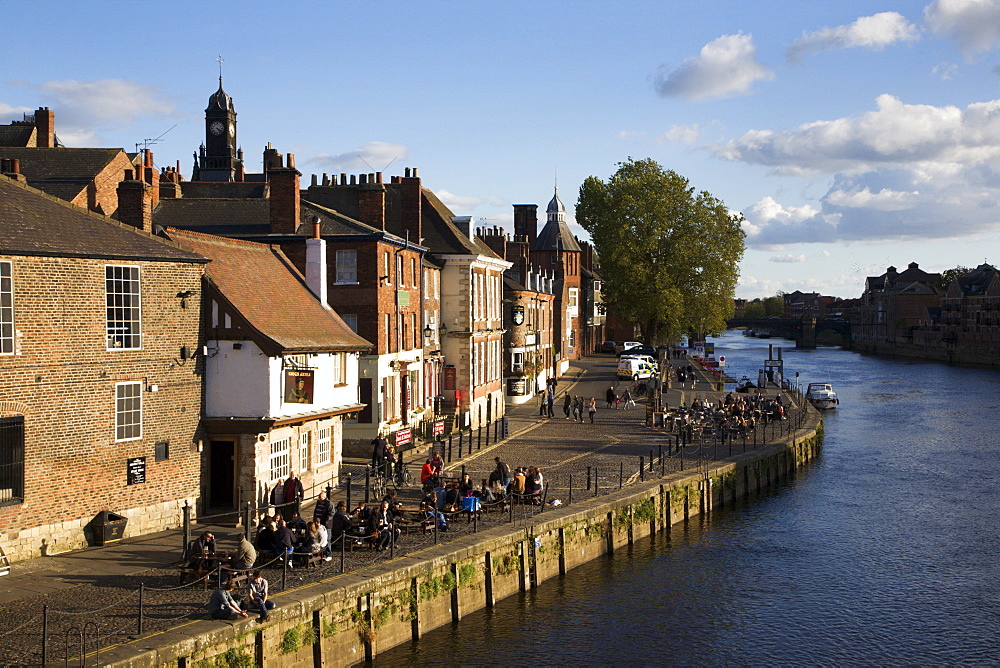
(101,585)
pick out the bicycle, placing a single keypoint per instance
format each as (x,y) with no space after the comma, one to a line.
(402,477)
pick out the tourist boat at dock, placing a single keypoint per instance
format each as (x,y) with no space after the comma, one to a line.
(744,384)
(822,396)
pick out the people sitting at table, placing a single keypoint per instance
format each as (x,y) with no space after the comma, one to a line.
(430,513)
(324,539)
(385,527)
(222,605)
(428,478)
(453,497)
(200,546)
(340,523)
(484,492)
(309,543)
(438,464)
(533,485)
(245,555)
(283,543)
(518,482)
(466,485)
(297,525)
(362,512)
(265,537)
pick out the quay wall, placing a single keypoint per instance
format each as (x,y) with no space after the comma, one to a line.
(350,618)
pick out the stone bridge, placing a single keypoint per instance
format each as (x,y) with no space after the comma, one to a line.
(802,330)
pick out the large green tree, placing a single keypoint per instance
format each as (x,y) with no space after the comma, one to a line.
(669,255)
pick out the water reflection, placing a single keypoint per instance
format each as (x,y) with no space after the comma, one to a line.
(884,552)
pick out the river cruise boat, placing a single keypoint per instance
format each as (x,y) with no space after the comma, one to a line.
(822,396)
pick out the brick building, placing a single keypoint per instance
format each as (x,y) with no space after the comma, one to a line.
(281,370)
(100,376)
(893,304)
(36,130)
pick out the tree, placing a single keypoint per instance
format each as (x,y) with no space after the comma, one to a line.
(774,307)
(948,276)
(669,256)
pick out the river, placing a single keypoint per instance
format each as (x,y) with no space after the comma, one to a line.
(884,552)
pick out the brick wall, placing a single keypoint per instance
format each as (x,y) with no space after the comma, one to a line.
(63,382)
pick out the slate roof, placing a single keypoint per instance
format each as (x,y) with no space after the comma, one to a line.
(440,234)
(33,223)
(556,236)
(61,172)
(260,282)
(334,223)
(16,135)
(215,216)
(224,190)
(976,282)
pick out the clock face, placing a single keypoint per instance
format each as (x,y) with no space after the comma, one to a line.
(216,128)
(232,129)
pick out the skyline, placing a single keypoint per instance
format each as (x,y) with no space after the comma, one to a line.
(852,137)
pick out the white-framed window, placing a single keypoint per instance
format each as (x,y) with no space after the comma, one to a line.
(322,446)
(6,308)
(573,308)
(279,459)
(399,270)
(304,451)
(347,266)
(386,267)
(128,411)
(339,368)
(124,307)
(351,320)
(517,362)
(413,272)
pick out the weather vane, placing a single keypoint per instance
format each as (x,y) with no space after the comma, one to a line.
(220,60)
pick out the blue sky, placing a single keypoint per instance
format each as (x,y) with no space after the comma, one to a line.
(851,135)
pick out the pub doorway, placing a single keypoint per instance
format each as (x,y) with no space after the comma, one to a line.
(221,475)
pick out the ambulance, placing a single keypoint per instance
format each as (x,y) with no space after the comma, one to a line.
(635,368)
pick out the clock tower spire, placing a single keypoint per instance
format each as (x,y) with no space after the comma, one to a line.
(219,159)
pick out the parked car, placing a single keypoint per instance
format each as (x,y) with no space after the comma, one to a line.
(625,345)
(634,369)
(639,349)
(608,347)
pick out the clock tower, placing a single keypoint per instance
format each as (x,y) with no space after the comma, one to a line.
(218,158)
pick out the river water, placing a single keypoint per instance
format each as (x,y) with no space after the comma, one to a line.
(884,552)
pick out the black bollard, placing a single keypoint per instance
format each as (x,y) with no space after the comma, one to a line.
(595,481)
(570,488)
(449,446)
(642,468)
(460,446)
(479,439)
(588,478)
(650,461)
(142,588)
(621,474)
(368,484)
(349,492)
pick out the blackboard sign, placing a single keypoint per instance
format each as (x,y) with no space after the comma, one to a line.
(658,419)
(136,470)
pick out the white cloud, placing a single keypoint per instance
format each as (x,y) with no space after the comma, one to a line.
(11,112)
(974,24)
(872,32)
(894,134)
(85,109)
(680,134)
(902,172)
(725,67)
(945,70)
(458,202)
(374,156)
(787,257)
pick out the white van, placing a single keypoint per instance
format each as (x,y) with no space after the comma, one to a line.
(634,369)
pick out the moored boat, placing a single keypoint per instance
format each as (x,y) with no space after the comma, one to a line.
(744,385)
(822,396)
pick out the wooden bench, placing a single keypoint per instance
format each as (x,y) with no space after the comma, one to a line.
(194,573)
(302,560)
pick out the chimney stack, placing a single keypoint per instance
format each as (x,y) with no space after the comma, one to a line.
(316,269)
(284,199)
(135,206)
(45,126)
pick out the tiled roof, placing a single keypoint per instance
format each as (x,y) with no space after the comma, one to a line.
(332,222)
(16,135)
(440,234)
(215,216)
(266,288)
(61,172)
(33,223)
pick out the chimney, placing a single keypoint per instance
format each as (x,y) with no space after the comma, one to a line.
(151,177)
(135,203)
(284,192)
(371,201)
(11,168)
(45,125)
(316,272)
(526,221)
(411,214)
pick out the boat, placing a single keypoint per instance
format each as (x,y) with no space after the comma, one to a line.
(744,385)
(763,333)
(822,396)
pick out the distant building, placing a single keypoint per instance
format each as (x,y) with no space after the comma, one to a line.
(893,304)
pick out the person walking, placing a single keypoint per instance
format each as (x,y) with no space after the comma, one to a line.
(567,403)
(610,395)
(550,402)
(542,396)
(627,399)
(592,408)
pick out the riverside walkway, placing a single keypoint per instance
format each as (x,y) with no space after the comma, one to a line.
(101,584)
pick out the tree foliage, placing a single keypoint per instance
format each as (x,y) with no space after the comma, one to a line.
(948,276)
(669,255)
(769,307)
